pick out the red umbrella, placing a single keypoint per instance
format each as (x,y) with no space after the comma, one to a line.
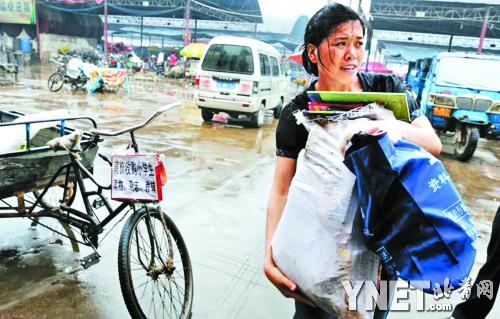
(297,57)
(375,67)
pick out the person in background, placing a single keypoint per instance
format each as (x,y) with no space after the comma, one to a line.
(172,60)
(160,62)
(478,307)
(333,51)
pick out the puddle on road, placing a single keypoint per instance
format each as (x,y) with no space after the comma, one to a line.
(477,180)
(32,281)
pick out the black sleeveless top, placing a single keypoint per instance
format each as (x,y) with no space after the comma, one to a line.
(291,138)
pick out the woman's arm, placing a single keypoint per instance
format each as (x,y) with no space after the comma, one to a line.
(421,132)
(283,174)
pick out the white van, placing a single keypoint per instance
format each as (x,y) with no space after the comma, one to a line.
(242,77)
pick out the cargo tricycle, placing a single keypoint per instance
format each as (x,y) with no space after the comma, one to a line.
(40,178)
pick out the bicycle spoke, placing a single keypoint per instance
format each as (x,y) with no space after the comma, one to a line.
(178,289)
(153,293)
(155,240)
(163,301)
(172,305)
(145,286)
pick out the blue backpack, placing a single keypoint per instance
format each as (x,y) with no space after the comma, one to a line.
(413,217)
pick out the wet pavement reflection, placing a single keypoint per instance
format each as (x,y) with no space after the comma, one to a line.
(219,179)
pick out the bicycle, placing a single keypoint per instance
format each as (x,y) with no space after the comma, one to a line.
(154,267)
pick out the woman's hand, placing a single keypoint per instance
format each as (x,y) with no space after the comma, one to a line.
(395,129)
(419,132)
(287,287)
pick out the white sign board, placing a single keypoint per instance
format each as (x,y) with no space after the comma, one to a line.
(134,177)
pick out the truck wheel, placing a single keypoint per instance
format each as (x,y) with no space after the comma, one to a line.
(258,117)
(277,110)
(207,115)
(466,138)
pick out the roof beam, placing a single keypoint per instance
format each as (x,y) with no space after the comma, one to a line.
(430,11)
(199,7)
(434,39)
(151,3)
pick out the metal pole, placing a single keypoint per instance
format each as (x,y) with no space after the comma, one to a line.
(195,29)
(187,14)
(37,21)
(483,31)
(449,44)
(106,29)
(142,25)
(369,45)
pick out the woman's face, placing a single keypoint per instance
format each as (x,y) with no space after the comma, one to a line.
(341,53)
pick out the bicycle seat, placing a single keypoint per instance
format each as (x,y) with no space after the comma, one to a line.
(70,142)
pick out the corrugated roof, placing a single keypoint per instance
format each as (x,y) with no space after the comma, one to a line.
(244,10)
(403,52)
(424,24)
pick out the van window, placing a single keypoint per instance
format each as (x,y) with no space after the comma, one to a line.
(275,69)
(284,67)
(265,68)
(228,58)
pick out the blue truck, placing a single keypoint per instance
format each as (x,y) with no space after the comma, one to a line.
(460,93)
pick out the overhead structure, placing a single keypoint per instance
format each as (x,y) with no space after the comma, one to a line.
(422,26)
(439,17)
(225,10)
(240,11)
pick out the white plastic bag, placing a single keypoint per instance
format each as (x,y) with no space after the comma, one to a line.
(319,242)
(17,133)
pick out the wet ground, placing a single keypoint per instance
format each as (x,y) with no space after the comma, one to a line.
(219,179)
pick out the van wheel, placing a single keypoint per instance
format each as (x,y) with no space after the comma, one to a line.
(258,117)
(207,115)
(277,110)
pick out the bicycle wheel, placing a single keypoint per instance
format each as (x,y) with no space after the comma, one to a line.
(154,267)
(53,198)
(65,232)
(55,82)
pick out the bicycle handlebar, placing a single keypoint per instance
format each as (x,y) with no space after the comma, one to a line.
(139,126)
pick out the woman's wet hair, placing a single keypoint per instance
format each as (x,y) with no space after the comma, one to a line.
(321,25)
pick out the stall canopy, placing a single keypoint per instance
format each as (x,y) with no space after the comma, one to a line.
(375,67)
(297,57)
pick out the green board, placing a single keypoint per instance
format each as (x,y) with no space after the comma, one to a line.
(396,102)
